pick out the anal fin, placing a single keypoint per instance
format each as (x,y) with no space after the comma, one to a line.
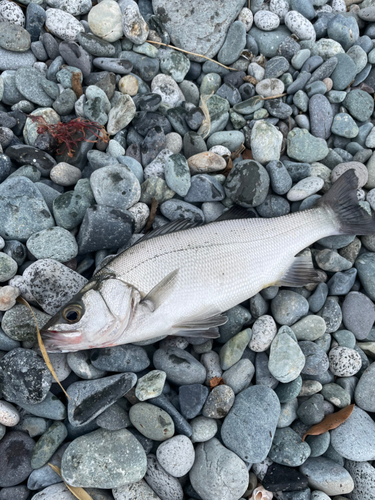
(301,273)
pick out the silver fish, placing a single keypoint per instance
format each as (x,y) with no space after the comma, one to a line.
(180,283)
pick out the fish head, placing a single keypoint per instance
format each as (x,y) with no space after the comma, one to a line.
(96,317)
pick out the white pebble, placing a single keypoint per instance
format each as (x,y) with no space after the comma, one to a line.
(63,24)
(344,362)
(128,84)
(280,8)
(11,13)
(8,295)
(203,163)
(264,331)
(269,87)
(304,188)
(246,17)
(266,20)
(65,174)
(176,455)
(173,142)
(105,20)
(359,168)
(141,213)
(300,26)
(338,6)
(220,150)
(9,416)
(255,70)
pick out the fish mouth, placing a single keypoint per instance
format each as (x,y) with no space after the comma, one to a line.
(55,341)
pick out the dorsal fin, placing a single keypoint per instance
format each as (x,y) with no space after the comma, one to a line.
(236,212)
(171,227)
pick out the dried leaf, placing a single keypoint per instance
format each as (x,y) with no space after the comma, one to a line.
(151,218)
(79,493)
(228,168)
(250,79)
(216,381)
(330,422)
(41,346)
(76,84)
(238,152)
(206,124)
(247,154)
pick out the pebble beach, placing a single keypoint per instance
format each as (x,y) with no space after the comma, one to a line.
(118,117)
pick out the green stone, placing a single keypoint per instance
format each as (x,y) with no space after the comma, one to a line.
(157,188)
(47,444)
(289,391)
(150,385)
(288,449)
(304,147)
(336,395)
(286,359)
(232,351)
(309,328)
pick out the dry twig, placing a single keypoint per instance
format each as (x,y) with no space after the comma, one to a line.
(192,54)
(78,492)
(151,218)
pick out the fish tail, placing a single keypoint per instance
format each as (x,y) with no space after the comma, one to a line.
(342,200)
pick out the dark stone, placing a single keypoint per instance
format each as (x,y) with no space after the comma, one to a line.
(123,358)
(181,425)
(104,227)
(28,155)
(146,120)
(283,478)
(192,398)
(24,377)
(152,144)
(15,458)
(76,56)
(35,19)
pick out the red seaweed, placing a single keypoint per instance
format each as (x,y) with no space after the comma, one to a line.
(70,134)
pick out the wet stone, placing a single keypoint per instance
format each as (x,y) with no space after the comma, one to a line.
(16,387)
(180,366)
(283,478)
(104,464)
(15,456)
(151,421)
(219,402)
(124,358)
(217,470)
(88,399)
(245,415)
(192,398)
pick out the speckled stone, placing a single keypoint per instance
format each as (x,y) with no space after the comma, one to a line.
(108,459)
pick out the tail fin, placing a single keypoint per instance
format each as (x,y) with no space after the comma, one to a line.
(342,200)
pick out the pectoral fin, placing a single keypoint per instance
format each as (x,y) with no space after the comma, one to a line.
(161,291)
(300,273)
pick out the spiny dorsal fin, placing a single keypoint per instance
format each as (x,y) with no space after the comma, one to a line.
(236,212)
(171,227)
(161,291)
(300,273)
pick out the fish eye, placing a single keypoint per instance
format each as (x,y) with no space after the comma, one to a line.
(72,313)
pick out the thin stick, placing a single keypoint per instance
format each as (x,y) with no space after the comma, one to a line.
(192,53)
(77,491)
(273,97)
(151,218)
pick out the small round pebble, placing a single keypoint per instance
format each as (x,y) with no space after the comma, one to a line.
(176,455)
(344,362)
(9,416)
(65,174)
